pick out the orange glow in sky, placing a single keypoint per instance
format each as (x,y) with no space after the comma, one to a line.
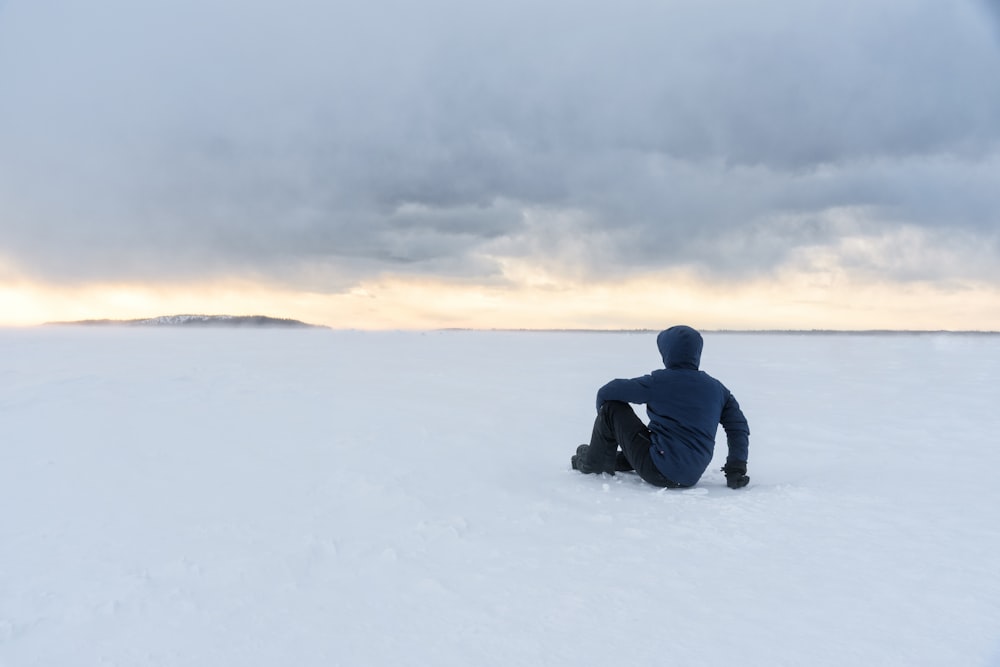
(651,301)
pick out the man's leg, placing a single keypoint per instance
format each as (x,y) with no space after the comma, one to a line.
(599,455)
(615,424)
(620,422)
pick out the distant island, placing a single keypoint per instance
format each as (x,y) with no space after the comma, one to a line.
(245,321)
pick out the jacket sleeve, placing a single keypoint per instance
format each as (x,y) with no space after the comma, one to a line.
(737,430)
(635,391)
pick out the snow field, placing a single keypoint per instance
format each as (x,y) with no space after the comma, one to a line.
(344,498)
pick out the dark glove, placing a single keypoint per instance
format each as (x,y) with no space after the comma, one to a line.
(736,475)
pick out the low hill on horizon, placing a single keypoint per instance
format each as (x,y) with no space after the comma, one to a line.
(198,321)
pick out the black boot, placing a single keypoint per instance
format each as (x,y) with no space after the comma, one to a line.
(577,460)
(581,461)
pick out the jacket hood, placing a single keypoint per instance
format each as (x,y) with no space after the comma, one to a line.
(680,347)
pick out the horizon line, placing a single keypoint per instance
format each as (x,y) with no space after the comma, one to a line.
(978,332)
(265,321)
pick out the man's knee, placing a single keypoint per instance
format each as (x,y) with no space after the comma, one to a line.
(611,407)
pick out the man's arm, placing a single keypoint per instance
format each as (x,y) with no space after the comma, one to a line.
(737,430)
(738,439)
(635,391)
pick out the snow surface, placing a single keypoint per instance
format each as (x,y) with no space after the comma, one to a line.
(289,497)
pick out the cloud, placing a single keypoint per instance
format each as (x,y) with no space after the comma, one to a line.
(318,143)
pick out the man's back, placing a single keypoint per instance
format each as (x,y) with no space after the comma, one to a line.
(685,410)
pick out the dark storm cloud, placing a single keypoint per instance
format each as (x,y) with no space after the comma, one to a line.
(317,142)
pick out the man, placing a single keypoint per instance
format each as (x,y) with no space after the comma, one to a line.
(685,407)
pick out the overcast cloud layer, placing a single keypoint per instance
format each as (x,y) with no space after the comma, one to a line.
(316,143)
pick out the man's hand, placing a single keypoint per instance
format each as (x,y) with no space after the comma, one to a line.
(736,475)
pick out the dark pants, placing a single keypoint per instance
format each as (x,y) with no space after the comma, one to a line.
(618,426)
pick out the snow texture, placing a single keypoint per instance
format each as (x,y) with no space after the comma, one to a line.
(311,497)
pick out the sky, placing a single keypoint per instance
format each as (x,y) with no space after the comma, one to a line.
(552,163)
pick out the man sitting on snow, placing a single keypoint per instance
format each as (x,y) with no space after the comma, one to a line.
(685,407)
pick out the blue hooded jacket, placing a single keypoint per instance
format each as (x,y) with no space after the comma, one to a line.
(685,407)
